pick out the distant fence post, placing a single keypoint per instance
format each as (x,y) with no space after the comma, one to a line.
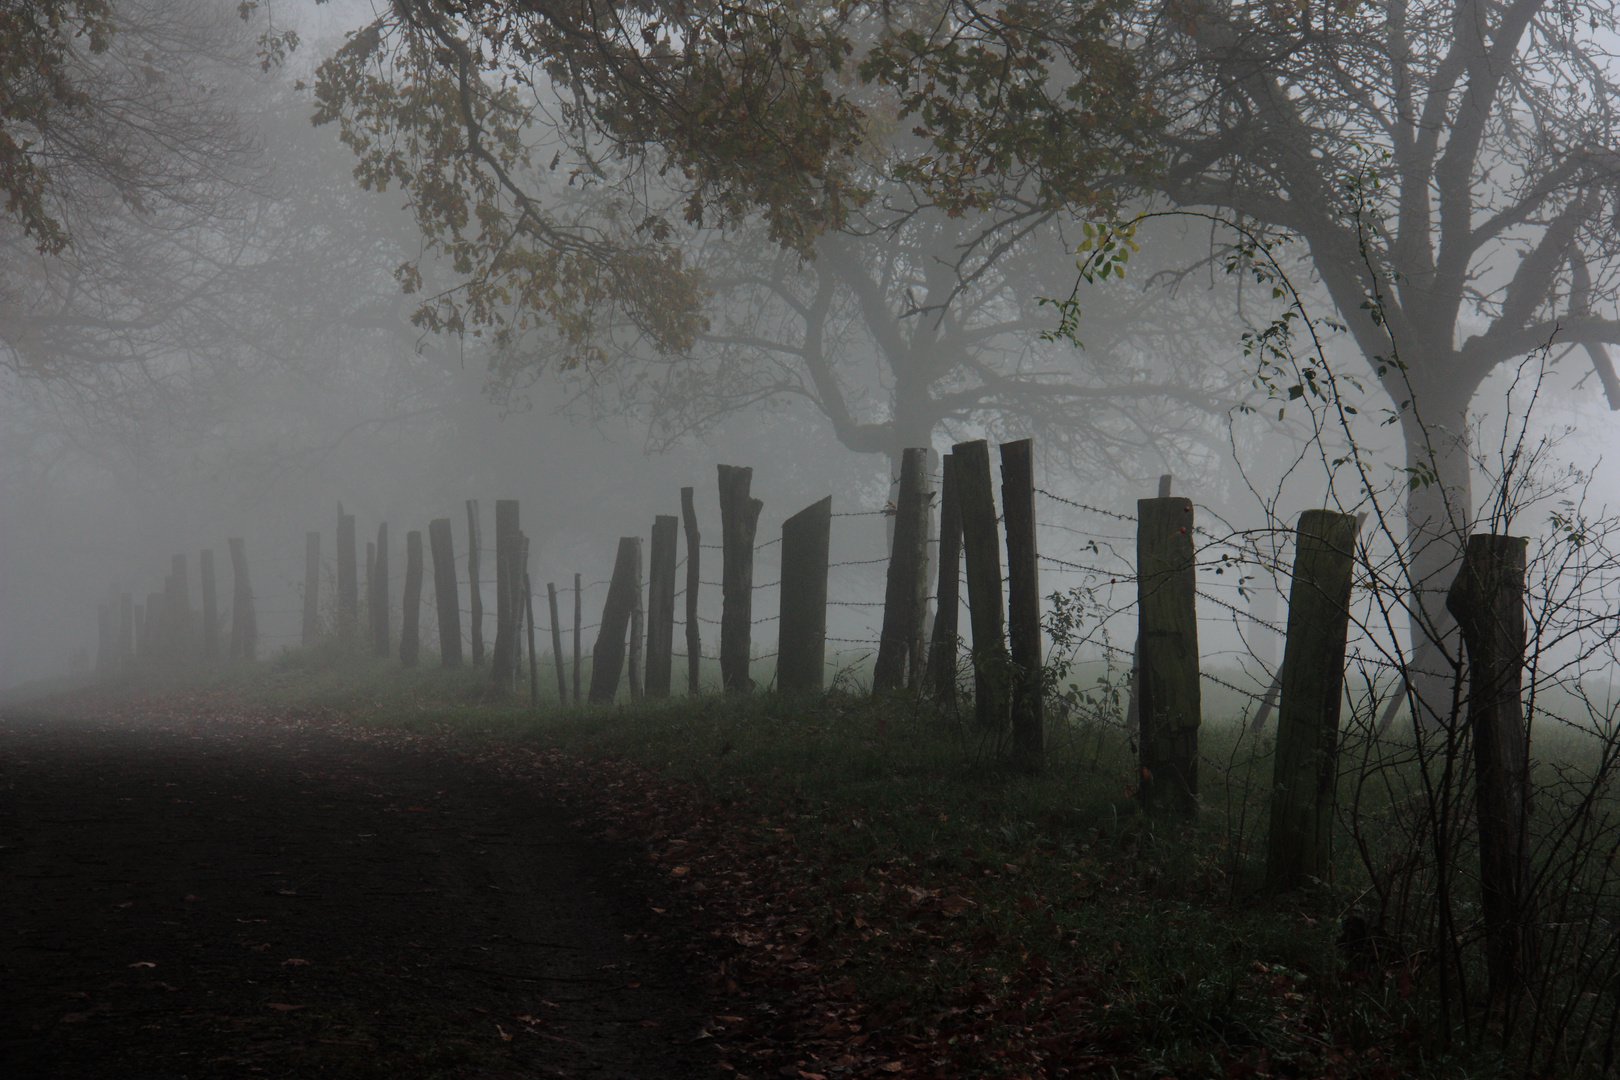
(180,611)
(152,628)
(982,548)
(1487,598)
(801,647)
(1023,602)
(947,597)
(410,613)
(442,547)
(739,521)
(348,609)
(210,606)
(528,607)
(312,585)
(578,667)
(608,658)
(475,593)
(381,608)
(1170,699)
(899,643)
(104,640)
(371,587)
(140,631)
(126,630)
(694,551)
(556,645)
(1305,774)
(503,663)
(244,625)
(661,605)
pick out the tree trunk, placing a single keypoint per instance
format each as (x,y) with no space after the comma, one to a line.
(446,598)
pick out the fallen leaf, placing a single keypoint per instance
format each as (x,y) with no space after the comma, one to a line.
(143,963)
(891,1066)
(680,871)
(295,962)
(647,1023)
(281,1007)
(504,1033)
(191,897)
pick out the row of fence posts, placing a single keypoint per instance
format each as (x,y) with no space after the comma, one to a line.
(165,630)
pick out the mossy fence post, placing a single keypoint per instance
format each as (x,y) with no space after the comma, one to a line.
(475,593)
(801,643)
(446,594)
(981,547)
(312,585)
(900,640)
(1023,603)
(694,551)
(410,612)
(739,522)
(1487,598)
(1305,773)
(503,661)
(348,583)
(556,645)
(244,623)
(942,646)
(210,606)
(1169,702)
(661,605)
(607,660)
(381,638)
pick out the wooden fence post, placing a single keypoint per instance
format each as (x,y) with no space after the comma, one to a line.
(982,550)
(577,659)
(556,645)
(210,606)
(410,632)
(140,631)
(126,631)
(1133,710)
(694,551)
(739,521)
(104,640)
(371,588)
(1169,698)
(801,644)
(312,585)
(661,605)
(348,584)
(899,643)
(1487,598)
(442,547)
(528,607)
(180,612)
(475,592)
(1023,603)
(152,629)
(244,624)
(380,630)
(943,644)
(608,658)
(637,630)
(1305,775)
(503,662)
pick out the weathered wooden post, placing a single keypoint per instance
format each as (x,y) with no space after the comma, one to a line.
(1169,698)
(410,633)
(475,594)
(694,550)
(901,637)
(312,585)
(1305,775)
(608,658)
(982,550)
(371,589)
(1133,710)
(801,644)
(577,659)
(1487,598)
(244,624)
(126,630)
(1023,603)
(528,607)
(446,598)
(556,645)
(942,647)
(348,610)
(637,629)
(210,606)
(180,611)
(503,662)
(519,581)
(739,520)
(382,636)
(661,605)
(140,631)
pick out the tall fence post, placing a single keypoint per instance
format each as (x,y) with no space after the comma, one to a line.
(1133,703)
(410,633)
(126,630)
(556,645)
(981,548)
(694,551)
(801,646)
(348,584)
(180,611)
(446,598)
(528,607)
(739,521)
(637,632)
(1305,773)
(475,592)
(371,589)
(312,585)
(942,645)
(381,637)
(607,660)
(578,667)
(503,662)
(244,624)
(1170,701)
(1023,602)
(210,606)
(1487,598)
(899,643)
(105,640)
(661,605)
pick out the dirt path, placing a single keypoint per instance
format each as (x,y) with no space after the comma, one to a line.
(238,900)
